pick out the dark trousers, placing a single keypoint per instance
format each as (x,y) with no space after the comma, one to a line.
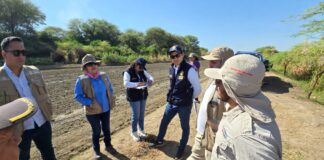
(184,115)
(42,137)
(97,122)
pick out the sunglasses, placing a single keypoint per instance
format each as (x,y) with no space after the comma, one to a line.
(17,53)
(174,56)
(91,64)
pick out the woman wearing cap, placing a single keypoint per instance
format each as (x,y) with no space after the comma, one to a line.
(94,91)
(194,61)
(136,81)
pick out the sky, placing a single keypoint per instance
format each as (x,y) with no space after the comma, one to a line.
(239,24)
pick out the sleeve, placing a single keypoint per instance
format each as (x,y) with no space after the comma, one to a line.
(110,86)
(79,95)
(127,82)
(149,76)
(194,80)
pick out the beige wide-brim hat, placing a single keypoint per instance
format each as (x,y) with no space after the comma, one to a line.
(16,112)
(221,53)
(242,77)
(89,58)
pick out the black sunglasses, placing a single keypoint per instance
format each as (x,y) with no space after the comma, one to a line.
(174,56)
(17,53)
(91,64)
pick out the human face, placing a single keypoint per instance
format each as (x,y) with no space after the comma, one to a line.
(138,68)
(92,68)
(11,55)
(215,64)
(176,58)
(9,141)
(221,92)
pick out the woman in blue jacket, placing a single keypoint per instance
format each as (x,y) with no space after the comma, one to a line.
(94,91)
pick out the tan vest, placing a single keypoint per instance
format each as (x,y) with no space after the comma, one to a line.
(88,91)
(8,91)
(215,111)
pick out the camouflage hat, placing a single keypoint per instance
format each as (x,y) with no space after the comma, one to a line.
(16,111)
(222,53)
(89,58)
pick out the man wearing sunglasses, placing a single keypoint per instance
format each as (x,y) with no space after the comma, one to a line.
(184,87)
(18,80)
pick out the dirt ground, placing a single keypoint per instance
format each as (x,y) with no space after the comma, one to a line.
(301,121)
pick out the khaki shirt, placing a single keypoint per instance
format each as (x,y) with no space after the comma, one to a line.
(243,138)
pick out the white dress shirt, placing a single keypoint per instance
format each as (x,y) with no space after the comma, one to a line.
(24,90)
(129,84)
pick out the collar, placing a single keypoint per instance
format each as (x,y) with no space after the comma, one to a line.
(9,71)
(230,115)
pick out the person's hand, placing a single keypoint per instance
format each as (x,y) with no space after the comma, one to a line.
(150,83)
(140,84)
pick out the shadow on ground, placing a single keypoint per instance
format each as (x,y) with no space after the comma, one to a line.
(275,84)
(170,148)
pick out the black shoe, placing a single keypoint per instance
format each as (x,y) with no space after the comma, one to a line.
(179,155)
(155,143)
(111,150)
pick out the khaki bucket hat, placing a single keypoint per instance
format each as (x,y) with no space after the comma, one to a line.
(242,77)
(89,58)
(16,111)
(221,53)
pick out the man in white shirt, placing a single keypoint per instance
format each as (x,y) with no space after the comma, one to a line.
(184,87)
(18,80)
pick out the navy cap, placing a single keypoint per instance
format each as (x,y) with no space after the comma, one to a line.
(175,48)
(141,61)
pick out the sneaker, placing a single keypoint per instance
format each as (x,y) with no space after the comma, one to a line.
(97,155)
(155,143)
(179,155)
(111,150)
(135,136)
(142,134)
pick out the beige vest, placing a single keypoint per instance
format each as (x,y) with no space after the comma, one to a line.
(88,91)
(215,111)
(8,91)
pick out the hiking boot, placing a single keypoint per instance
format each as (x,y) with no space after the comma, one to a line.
(155,144)
(111,150)
(135,136)
(142,134)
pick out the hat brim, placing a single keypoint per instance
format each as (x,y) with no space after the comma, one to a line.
(97,62)
(16,112)
(210,58)
(213,73)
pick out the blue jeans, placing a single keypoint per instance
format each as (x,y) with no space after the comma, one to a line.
(137,117)
(42,136)
(97,122)
(184,115)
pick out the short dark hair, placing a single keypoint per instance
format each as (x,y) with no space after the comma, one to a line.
(6,41)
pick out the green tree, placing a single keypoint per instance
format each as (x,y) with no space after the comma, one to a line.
(19,17)
(158,37)
(267,50)
(132,39)
(192,44)
(93,29)
(315,25)
(51,34)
